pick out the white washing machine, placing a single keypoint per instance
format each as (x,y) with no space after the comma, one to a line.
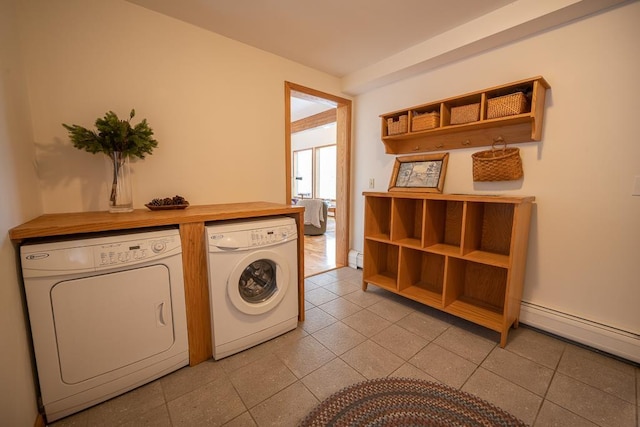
(107,315)
(253,282)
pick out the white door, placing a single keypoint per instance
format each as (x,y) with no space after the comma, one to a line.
(105,322)
(258,282)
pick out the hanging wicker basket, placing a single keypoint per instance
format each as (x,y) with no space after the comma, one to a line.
(497,164)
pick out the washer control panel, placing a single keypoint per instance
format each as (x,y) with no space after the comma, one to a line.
(270,236)
(251,238)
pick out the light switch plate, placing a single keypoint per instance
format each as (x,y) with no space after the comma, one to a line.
(636,187)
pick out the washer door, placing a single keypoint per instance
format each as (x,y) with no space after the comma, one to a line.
(258,282)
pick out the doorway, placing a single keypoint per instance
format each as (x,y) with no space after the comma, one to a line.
(341,210)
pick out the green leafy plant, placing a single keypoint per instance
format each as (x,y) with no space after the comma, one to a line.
(117,139)
(114,135)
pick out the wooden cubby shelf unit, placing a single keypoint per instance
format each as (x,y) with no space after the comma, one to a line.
(462,254)
(523,127)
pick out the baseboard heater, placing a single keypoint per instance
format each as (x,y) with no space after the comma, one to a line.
(618,342)
(355,259)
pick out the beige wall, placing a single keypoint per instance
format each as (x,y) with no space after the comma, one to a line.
(20,201)
(585,240)
(216,105)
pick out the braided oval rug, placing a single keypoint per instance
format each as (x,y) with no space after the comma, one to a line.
(406,402)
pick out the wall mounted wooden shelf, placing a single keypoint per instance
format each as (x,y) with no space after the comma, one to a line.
(462,254)
(522,127)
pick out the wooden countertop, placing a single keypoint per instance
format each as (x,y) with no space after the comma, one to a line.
(87,222)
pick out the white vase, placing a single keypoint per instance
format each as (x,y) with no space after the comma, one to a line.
(120,194)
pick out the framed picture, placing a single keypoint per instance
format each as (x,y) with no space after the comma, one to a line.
(424,173)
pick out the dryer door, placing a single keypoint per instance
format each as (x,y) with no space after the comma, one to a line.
(107,322)
(258,282)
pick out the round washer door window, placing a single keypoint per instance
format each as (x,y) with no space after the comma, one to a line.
(258,282)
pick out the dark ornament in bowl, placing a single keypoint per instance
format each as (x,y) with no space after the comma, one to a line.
(175,202)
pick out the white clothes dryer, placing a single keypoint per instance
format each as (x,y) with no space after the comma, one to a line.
(107,315)
(253,282)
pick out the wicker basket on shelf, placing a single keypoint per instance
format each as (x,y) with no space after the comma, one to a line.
(465,114)
(425,121)
(508,105)
(497,164)
(396,125)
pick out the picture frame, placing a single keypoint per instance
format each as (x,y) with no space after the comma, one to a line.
(420,173)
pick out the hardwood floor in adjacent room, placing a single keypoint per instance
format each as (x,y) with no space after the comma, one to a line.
(320,251)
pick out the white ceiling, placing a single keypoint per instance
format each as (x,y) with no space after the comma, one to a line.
(334,36)
(301,108)
(371,43)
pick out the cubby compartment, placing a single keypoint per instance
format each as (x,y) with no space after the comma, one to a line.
(525,87)
(487,233)
(377,224)
(406,221)
(443,226)
(421,276)
(509,101)
(396,124)
(425,117)
(476,292)
(381,264)
(467,109)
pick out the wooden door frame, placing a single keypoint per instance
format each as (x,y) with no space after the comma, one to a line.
(343,161)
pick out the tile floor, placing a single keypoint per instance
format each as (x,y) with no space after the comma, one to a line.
(350,336)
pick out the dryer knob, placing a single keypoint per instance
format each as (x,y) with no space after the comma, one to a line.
(158,247)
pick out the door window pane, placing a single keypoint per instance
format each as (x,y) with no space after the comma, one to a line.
(326,172)
(303,173)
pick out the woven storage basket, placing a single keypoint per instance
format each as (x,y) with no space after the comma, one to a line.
(465,114)
(508,105)
(400,125)
(497,164)
(425,121)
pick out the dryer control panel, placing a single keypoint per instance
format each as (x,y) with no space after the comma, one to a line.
(134,251)
(99,253)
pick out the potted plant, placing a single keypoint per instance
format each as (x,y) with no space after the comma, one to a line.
(119,140)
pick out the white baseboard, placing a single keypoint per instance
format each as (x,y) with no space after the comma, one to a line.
(611,340)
